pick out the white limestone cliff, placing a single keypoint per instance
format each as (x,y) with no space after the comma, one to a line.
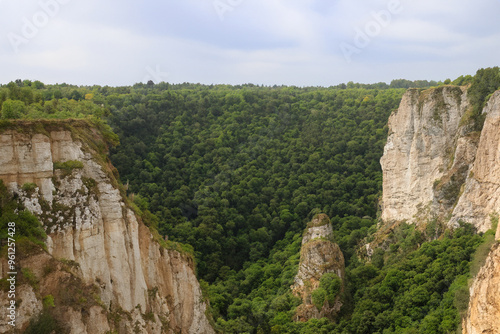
(89,224)
(481,193)
(435,167)
(483,314)
(481,197)
(421,146)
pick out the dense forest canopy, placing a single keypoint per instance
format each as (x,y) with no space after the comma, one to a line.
(236,172)
(231,171)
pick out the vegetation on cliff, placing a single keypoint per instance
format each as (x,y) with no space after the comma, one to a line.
(485,82)
(16,222)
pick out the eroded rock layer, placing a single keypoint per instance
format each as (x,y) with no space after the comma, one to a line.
(94,240)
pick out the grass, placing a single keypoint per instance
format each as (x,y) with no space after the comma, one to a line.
(30,277)
(48,301)
(68,166)
(481,253)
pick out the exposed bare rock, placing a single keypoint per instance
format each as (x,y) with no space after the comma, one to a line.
(136,284)
(29,306)
(319,255)
(483,315)
(425,137)
(435,167)
(481,194)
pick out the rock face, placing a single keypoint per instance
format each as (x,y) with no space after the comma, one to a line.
(434,166)
(424,137)
(483,315)
(481,195)
(318,256)
(95,240)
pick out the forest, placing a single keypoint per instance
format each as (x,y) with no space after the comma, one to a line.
(236,172)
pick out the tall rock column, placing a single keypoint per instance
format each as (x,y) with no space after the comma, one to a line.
(319,256)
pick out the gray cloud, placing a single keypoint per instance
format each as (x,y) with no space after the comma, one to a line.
(264,42)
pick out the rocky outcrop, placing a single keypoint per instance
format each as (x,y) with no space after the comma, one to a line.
(319,255)
(483,315)
(427,155)
(94,239)
(436,167)
(481,193)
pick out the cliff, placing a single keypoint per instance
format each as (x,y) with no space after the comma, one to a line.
(482,195)
(427,155)
(103,267)
(435,167)
(483,314)
(481,192)
(319,256)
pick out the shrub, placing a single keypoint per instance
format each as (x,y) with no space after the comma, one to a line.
(332,285)
(43,324)
(29,187)
(485,82)
(26,224)
(30,277)
(68,165)
(318,297)
(48,301)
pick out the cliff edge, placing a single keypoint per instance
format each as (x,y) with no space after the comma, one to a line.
(103,268)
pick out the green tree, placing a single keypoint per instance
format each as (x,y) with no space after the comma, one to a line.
(13,109)
(485,82)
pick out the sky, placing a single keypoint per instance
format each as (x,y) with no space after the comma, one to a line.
(269,42)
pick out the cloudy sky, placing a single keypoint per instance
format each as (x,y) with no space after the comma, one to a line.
(291,42)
